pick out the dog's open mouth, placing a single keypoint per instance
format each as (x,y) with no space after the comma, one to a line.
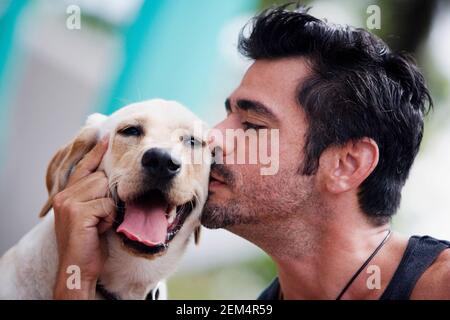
(149,222)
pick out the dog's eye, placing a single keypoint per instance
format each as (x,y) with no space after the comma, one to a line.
(131,131)
(191,141)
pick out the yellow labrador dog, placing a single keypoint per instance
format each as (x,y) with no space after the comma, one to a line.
(157,164)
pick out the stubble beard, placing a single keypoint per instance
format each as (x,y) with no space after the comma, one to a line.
(215,216)
(258,205)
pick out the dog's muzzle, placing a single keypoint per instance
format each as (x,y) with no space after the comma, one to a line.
(160,165)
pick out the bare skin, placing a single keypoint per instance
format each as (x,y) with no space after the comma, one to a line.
(82,214)
(311,226)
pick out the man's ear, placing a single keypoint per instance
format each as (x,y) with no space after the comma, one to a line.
(64,161)
(197,235)
(346,167)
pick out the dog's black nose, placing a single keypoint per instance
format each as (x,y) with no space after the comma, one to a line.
(160,164)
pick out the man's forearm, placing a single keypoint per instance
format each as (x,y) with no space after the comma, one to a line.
(62,291)
(86,292)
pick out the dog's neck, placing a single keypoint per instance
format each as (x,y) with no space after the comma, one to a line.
(124,275)
(132,277)
(154,294)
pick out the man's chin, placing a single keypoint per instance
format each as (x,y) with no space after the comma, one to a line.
(225,215)
(215,216)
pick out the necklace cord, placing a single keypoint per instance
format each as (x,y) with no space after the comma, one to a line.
(364,265)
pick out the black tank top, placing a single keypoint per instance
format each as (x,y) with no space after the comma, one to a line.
(420,253)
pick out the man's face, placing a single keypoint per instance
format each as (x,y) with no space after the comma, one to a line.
(239,193)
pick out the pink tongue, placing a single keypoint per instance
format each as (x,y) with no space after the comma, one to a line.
(146,224)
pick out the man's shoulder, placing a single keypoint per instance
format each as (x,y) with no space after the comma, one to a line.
(435,281)
(271,292)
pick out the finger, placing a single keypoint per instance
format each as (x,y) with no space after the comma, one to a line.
(88,188)
(99,213)
(106,223)
(90,161)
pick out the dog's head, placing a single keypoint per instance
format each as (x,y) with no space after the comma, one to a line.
(157,164)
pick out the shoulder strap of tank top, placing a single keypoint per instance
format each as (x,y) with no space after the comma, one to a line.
(420,253)
(272,292)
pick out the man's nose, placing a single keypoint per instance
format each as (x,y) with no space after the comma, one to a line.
(217,140)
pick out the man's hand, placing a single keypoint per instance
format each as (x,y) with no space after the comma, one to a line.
(83,212)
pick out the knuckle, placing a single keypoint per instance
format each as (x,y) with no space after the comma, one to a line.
(58,200)
(64,205)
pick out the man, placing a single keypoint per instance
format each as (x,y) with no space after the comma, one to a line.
(349,113)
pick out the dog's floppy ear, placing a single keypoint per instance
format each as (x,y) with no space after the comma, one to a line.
(64,161)
(197,235)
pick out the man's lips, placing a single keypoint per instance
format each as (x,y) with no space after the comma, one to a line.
(215,181)
(215,177)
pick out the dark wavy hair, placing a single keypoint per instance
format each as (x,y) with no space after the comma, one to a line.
(358,88)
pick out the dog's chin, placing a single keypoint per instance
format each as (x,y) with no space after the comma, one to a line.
(146,233)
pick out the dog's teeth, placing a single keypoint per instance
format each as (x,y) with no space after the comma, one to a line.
(171,218)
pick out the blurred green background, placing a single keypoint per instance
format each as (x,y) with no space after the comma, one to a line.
(52,77)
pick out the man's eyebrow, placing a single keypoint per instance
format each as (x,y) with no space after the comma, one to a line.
(256,107)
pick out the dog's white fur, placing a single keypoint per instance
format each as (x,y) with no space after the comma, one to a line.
(28,270)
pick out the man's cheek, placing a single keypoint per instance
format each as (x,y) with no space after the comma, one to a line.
(251,177)
(269,152)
